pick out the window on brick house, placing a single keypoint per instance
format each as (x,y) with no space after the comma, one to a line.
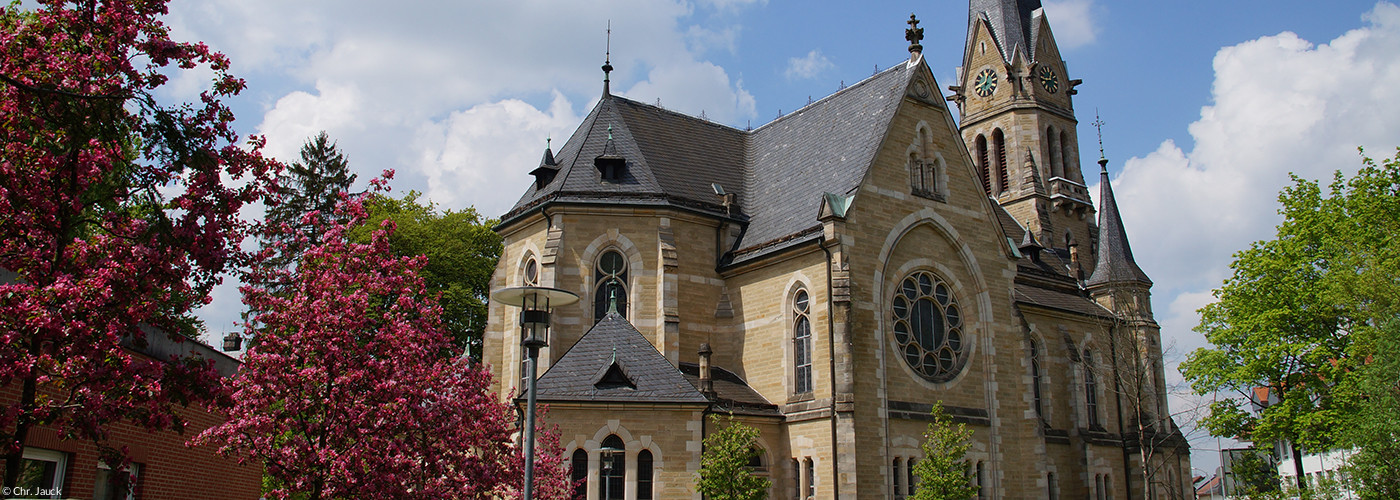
(118,485)
(897,470)
(801,342)
(811,473)
(43,471)
(644,475)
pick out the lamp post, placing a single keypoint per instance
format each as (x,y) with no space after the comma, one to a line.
(534,303)
(606,454)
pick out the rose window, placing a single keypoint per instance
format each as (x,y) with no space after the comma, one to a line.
(928,327)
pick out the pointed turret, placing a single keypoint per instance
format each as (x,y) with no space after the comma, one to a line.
(1114,258)
(548,169)
(1010,21)
(1030,179)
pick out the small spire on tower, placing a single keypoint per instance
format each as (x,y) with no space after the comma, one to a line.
(914,35)
(607,62)
(1098,125)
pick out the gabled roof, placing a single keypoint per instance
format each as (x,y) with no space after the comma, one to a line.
(613,348)
(1114,258)
(778,172)
(1012,21)
(825,147)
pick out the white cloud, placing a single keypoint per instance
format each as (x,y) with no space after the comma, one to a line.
(694,88)
(480,155)
(298,116)
(1280,105)
(1072,21)
(809,66)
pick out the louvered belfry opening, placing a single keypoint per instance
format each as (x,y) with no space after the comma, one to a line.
(981,146)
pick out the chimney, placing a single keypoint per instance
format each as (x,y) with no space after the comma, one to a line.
(707,385)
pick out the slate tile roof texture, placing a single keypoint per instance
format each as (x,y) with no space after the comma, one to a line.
(778,172)
(1012,21)
(1115,262)
(614,339)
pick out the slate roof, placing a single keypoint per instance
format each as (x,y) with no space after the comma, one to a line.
(1115,258)
(778,171)
(731,392)
(615,340)
(1013,24)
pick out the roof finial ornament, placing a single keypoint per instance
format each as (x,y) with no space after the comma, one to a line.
(1098,125)
(607,62)
(609,132)
(612,295)
(914,35)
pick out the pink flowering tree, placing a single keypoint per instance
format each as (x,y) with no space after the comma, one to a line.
(118,213)
(352,388)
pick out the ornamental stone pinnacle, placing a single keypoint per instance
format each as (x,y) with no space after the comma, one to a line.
(914,35)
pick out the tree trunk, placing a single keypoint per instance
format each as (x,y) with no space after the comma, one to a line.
(1298,467)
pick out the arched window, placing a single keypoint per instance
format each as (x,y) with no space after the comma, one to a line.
(1052,489)
(897,470)
(609,284)
(530,276)
(1099,486)
(916,174)
(644,475)
(1091,389)
(614,469)
(1036,379)
(579,473)
(1108,486)
(982,165)
(811,473)
(911,485)
(981,481)
(1066,161)
(796,479)
(801,342)
(999,152)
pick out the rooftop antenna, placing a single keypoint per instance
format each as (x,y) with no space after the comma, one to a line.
(607,62)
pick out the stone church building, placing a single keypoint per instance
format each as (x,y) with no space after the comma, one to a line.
(829,276)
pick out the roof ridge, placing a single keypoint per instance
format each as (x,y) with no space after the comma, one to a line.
(696,119)
(828,97)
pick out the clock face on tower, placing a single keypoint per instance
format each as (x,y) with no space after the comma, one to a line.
(1048,80)
(986,83)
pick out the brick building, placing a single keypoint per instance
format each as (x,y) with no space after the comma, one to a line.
(163,466)
(830,275)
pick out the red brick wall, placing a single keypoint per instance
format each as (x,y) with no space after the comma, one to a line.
(169,468)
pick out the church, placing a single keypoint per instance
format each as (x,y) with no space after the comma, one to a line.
(828,277)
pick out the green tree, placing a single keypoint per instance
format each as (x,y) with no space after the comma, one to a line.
(462,251)
(313,184)
(1255,475)
(724,465)
(943,471)
(1309,315)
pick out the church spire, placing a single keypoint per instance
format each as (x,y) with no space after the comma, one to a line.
(1010,21)
(1114,263)
(607,64)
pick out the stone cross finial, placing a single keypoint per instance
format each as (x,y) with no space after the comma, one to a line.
(914,34)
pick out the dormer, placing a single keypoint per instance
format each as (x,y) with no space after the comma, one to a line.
(611,166)
(544,174)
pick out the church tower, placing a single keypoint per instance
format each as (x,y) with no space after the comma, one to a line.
(1017,118)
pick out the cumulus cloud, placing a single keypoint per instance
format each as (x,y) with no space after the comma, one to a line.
(695,88)
(1072,21)
(809,66)
(1280,105)
(465,156)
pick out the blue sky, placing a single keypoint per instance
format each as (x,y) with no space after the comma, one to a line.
(1208,104)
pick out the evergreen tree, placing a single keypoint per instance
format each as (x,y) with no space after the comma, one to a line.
(313,184)
(943,471)
(724,465)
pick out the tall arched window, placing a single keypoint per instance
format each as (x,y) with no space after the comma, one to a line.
(579,473)
(644,475)
(897,470)
(916,174)
(1052,489)
(1066,163)
(1098,487)
(609,284)
(981,480)
(796,479)
(1054,153)
(614,470)
(801,342)
(811,473)
(1036,378)
(982,165)
(910,485)
(1091,389)
(999,152)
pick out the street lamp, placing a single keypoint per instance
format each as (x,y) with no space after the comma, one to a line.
(534,303)
(606,454)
